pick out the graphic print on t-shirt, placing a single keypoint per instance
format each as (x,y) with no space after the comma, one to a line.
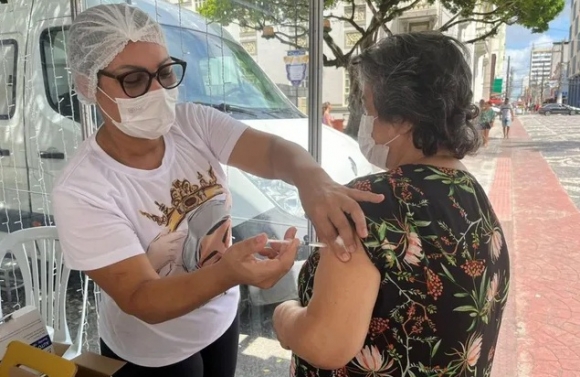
(205,207)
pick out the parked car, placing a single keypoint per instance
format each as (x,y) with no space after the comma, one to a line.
(555,108)
(576,110)
(41,129)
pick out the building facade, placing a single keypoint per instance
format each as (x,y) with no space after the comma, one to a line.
(559,84)
(574,56)
(486,58)
(540,73)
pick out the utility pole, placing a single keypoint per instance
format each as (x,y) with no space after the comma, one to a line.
(508,84)
(560,73)
(542,85)
(534,88)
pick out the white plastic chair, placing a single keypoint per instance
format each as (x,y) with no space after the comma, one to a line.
(40,260)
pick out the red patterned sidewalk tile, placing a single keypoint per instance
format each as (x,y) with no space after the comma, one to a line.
(540,336)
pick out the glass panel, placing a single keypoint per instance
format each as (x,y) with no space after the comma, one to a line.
(254,55)
(8,54)
(252,64)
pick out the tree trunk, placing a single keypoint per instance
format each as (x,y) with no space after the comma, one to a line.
(355,106)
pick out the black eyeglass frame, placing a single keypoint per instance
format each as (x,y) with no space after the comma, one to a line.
(152,76)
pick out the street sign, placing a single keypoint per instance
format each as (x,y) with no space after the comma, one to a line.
(497,85)
(296,66)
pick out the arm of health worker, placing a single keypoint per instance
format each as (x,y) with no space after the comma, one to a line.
(97,240)
(325,202)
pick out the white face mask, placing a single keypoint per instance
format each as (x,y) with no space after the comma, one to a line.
(149,116)
(375,153)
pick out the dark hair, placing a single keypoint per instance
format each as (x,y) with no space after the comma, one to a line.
(423,78)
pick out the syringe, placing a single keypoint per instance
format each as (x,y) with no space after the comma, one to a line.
(302,243)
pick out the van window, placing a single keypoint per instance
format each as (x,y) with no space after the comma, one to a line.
(55,72)
(219,71)
(8,74)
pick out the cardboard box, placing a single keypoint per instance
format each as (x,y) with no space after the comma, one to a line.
(88,364)
(26,325)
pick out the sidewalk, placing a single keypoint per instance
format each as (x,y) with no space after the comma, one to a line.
(540,335)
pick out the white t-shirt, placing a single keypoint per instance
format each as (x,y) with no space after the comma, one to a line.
(177,214)
(506,111)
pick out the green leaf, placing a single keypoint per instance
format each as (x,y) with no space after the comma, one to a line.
(382,231)
(420,223)
(465,308)
(447,273)
(461,295)
(434,177)
(467,188)
(472,325)
(434,350)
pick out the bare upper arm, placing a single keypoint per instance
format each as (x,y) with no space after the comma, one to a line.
(344,293)
(251,152)
(122,279)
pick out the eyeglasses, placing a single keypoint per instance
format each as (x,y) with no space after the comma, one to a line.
(137,82)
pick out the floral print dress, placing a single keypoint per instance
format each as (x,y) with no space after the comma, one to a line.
(444,264)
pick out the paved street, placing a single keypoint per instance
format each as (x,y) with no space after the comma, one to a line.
(557,137)
(529,179)
(541,330)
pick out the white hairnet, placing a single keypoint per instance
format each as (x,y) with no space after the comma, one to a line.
(98,34)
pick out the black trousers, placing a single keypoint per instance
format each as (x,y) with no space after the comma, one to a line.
(219,359)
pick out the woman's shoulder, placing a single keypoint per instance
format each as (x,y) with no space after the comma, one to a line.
(422,178)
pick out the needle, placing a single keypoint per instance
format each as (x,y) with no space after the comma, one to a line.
(302,243)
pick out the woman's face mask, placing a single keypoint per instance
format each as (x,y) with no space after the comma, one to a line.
(375,153)
(149,116)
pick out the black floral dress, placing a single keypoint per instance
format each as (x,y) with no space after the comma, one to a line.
(445,277)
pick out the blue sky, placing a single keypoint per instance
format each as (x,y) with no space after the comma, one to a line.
(519,41)
(519,37)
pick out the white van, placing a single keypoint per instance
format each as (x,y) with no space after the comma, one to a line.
(40,129)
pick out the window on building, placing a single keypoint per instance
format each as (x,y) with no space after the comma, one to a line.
(346,90)
(350,38)
(8,74)
(302,41)
(359,14)
(419,26)
(251,47)
(197,4)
